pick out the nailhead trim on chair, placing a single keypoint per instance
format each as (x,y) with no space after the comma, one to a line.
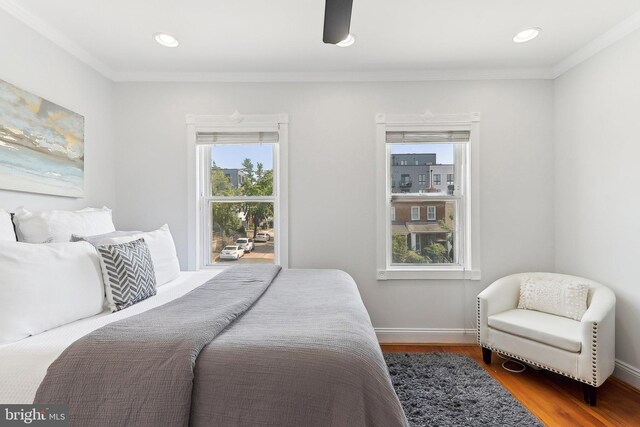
(594,344)
(594,349)
(478,323)
(531,362)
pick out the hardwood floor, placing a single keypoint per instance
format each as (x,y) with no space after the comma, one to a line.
(554,399)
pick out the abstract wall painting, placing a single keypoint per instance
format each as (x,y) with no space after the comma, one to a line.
(41,145)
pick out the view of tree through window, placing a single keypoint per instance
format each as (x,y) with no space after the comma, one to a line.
(242,231)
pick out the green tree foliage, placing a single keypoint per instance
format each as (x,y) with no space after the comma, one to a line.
(257,182)
(224,216)
(436,253)
(414,258)
(220,185)
(401,254)
(399,251)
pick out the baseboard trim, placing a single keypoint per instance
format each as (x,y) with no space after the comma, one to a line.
(421,335)
(627,374)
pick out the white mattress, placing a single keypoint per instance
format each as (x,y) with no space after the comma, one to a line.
(23,364)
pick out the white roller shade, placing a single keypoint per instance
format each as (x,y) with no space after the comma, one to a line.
(446,137)
(236,137)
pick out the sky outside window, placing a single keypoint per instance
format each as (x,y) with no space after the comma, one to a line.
(229,156)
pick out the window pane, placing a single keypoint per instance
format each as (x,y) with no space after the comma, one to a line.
(428,240)
(419,168)
(233,221)
(242,170)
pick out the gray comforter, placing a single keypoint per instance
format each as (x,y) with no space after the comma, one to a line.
(250,348)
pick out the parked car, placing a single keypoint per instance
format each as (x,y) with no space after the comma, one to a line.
(263,236)
(246,244)
(232,252)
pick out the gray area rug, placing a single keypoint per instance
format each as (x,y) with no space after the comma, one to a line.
(445,389)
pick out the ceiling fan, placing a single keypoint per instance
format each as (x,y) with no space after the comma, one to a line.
(337,20)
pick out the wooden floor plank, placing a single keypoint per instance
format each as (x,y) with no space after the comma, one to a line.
(554,399)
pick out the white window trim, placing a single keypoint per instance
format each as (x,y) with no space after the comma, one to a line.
(431,210)
(393,213)
(235,122)
(429,122)
(412,217)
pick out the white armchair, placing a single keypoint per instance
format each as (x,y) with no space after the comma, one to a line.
(583,350)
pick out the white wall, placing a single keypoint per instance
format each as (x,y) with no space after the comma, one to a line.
(597,152)
(33,63)
(332,176)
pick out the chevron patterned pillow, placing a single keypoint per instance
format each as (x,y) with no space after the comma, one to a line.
(128,273)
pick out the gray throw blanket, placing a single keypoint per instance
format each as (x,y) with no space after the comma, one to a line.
(139,371)
(303,355)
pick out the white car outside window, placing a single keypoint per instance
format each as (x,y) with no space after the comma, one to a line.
(231,252)
(263,236)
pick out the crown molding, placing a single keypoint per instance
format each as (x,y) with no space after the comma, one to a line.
(603,41)
(340,76)
(53,35)
(617,33)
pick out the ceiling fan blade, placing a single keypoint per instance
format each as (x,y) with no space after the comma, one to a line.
(337,20)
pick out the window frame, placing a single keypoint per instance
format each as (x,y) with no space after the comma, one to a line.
(198,182)
(431,209)
(450,179)
(413,218)
(469,235)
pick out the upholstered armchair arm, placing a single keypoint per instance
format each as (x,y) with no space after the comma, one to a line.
(501,295)
(598,335)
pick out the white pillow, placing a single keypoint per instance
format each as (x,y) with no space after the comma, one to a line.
(46,286)
(6,227)
(559,298)
(161,247)
(58,226)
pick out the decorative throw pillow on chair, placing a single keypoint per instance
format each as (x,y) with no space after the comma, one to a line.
(562,299)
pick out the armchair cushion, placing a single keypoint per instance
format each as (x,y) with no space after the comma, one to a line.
(555,331)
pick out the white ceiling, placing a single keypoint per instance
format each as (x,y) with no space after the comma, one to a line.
(275,36)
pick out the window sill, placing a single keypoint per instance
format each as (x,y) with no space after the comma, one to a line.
(432,274)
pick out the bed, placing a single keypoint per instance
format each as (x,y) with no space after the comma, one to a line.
(300,350)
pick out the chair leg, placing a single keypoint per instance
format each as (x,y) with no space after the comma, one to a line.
(590,394)
(486,355)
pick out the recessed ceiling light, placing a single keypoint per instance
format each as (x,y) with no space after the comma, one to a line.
(347,42)
(166,40)
(526,35)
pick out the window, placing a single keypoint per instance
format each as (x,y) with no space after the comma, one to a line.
(403,162)
(444,246)
(243,206)
(422,179)
(415,213)
(240,166)
(431,213)
(416,163)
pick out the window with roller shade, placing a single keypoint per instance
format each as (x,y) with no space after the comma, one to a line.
(429,233)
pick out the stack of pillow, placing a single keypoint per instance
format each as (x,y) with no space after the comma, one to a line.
(58,266)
